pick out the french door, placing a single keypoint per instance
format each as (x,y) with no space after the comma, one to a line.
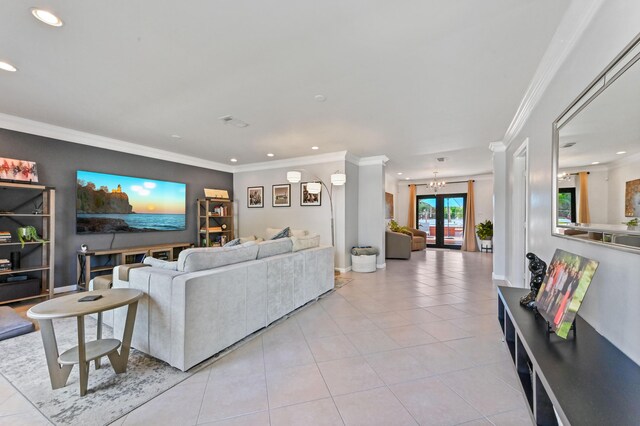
(441,216)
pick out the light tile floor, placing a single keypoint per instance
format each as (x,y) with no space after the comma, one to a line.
(415,343)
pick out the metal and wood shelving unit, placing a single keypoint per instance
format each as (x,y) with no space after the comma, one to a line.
(23,204)
(215,222)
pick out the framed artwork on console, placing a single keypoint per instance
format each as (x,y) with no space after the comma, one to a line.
(281,195)
(307,199)
(255,197)
(563,289)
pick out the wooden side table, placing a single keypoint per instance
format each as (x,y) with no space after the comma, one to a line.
(60,365)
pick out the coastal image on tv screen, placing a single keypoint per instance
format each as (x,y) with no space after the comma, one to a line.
(562,292)
(108,203)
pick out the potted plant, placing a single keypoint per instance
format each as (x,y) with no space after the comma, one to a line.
(484,231)
(27,234)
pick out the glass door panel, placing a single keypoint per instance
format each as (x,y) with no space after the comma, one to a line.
(426,217)
(441,216)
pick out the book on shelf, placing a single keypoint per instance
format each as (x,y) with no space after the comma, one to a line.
(5,265)
(212,229)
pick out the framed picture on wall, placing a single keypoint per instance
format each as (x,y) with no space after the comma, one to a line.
(307,199)
(388,205)
(632,199)
(255,197)
(281,195)
(19,170)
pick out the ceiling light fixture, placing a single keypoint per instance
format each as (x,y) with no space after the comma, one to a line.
(7,67)
(233,160)
(320,98)
(621,152)
(595,162)
(176,136)
(232,121)
(46,17)
(315,148)
(270,154)
(435,184)
(407,178)
(399,173)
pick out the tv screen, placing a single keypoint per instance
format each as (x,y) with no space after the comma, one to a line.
(108,203)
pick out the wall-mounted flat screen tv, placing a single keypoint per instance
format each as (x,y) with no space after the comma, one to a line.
(108,203)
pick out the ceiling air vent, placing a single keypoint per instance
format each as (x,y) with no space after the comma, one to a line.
(232,121)
(441,159)
(567,145)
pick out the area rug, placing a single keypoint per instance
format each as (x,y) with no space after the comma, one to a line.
(341,281)
(110,395)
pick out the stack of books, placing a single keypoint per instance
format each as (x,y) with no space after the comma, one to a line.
(5,237)
(5,265)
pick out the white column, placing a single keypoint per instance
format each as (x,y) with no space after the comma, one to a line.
(499,209)
(371,188)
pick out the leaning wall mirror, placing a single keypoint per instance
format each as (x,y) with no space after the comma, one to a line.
(597,159)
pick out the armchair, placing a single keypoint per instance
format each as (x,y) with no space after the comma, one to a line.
(419,240)
(397,245)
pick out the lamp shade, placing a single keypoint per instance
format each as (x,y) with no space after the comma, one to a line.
(294,176)
(314,187)
(338,179)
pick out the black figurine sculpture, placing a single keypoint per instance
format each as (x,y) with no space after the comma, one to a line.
(538,269)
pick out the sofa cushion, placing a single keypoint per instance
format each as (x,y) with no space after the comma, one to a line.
(199,259)
(159,263)
(247,239)
(274,247)
(12,324)
(305,242)
(234,242)
(282,234)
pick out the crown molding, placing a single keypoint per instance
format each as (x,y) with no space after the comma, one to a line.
(572,26)
(38,128)
(371,161)
(292,162)
(498,146)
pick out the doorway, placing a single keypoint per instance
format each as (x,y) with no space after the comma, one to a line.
(441,216)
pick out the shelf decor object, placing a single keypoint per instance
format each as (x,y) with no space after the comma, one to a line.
(337,179)
(30,272)
(18,170)
(215,221)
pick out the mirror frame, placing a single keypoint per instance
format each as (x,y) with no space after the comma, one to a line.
(616,68)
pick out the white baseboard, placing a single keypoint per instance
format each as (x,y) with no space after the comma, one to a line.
(343,270)
(65,289)
(381,265)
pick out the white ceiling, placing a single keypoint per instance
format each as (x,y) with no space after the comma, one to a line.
(412,80)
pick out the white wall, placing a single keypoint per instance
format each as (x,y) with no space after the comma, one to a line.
(391,186)
(371,221)
(315,219)
(483,188)
(611,304)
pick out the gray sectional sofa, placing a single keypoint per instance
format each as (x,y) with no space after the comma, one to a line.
(217,296)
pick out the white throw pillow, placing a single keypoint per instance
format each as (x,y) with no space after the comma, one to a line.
(292,233)
(298,233)
(306,242)
(246,239)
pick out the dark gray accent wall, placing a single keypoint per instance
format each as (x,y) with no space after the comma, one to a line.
(58,162)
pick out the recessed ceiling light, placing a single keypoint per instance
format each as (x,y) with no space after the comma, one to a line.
(595,162)
(320,98)
(234,160)
(176,136)
(271,154)
(7,67)
(407,178)
(399,173)
(315,147)
(46,17)
(621,152)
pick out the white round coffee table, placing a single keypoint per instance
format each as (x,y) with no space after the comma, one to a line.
(60,365)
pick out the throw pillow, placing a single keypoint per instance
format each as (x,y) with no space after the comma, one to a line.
(306,242)
(234,242)
(282,234)
(159,263)
(298,233)
(249,238)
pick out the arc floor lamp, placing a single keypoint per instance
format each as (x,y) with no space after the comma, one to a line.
(315,187)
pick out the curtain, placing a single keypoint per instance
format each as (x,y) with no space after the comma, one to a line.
(469,240)
(411,220)
(583,208)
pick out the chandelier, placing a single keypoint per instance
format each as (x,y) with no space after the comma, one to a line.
(564,176)
(436,184)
